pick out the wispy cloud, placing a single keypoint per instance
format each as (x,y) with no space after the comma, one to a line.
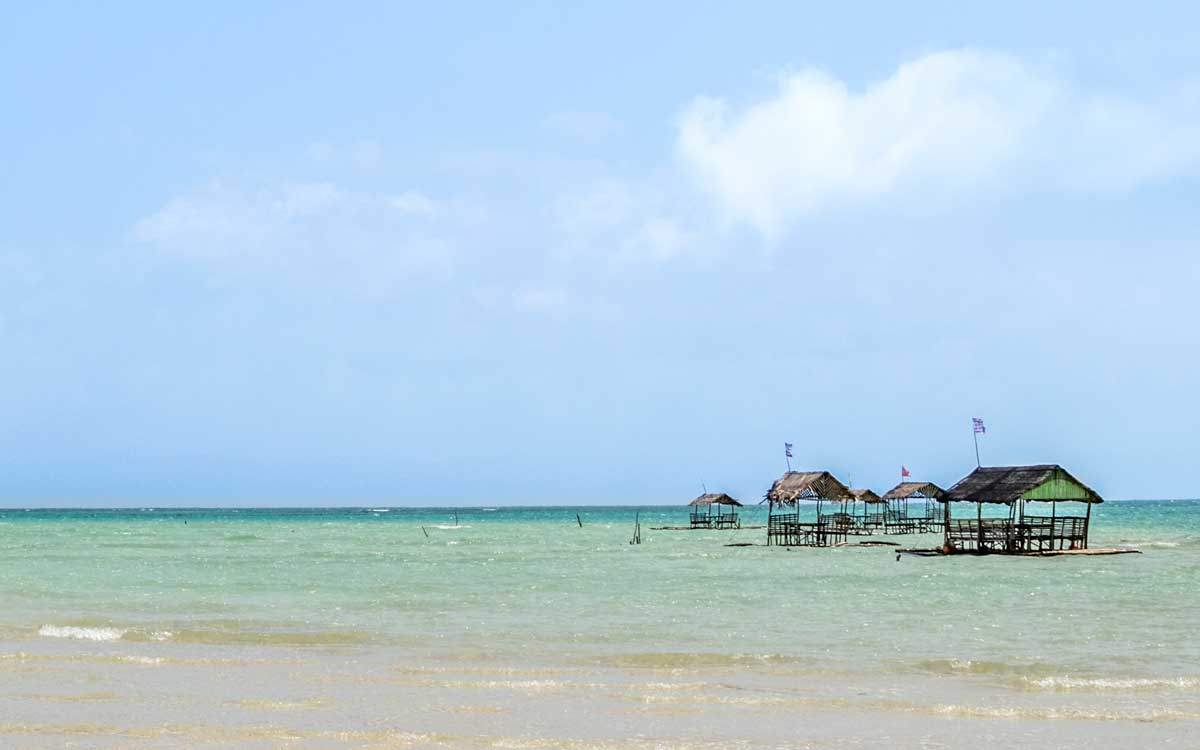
(361,154)
(414,203)
(582,125)
(546,300)
(316,231)
(951,121)
(625,222)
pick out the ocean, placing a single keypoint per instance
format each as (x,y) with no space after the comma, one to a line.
(517,628)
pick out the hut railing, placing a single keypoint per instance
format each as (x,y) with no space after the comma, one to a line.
(900,525)
(780,528)
(1050,533)
(726,520)
(786,530)
(982,535)
(848,523)
(874,519)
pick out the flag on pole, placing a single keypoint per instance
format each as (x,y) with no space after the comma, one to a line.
(787,450)
(904,472)
(977,423)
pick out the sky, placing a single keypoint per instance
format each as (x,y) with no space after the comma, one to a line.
(538,253)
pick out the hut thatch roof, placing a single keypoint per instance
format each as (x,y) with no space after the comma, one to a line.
(907,490)
(862,494)
(715,498)
(807,485)
(1006,484)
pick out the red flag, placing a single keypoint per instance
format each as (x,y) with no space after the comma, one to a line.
(904,472)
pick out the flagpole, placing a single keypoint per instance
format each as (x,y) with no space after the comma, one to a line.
(975,434)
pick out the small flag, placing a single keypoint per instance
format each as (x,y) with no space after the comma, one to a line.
(904,472)
(787,450)
(977,423)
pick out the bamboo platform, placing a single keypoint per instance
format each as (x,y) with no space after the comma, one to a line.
(935,552)
(798,546)
(701,528)
(873,543)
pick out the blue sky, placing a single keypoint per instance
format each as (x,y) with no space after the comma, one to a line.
(300,253)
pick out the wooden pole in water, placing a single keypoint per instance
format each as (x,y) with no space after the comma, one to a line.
(426,532)
(578,521)
(1053,514)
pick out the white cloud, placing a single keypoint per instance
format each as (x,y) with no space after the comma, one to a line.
(950,121)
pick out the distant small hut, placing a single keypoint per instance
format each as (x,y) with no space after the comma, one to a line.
(704,517)
(784,526)
(1018,532)
(860,520)
(902,518)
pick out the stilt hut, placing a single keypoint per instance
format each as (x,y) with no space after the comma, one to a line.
(860,520)
(1018,531)
(903,518)
(783,509)
(704,517)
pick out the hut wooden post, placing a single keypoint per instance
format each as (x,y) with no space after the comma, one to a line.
(979,525)
(1087,524)
(946,525)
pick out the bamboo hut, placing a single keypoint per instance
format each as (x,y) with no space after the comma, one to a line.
(703,517)
(857,522)
(1018,531)
(902,518)
(784,526)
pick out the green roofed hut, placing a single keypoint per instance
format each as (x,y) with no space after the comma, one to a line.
(1019,532)
(901,517)
(783,509)
(703,517)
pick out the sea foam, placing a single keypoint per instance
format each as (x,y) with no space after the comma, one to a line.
(81,633)
(1123,684)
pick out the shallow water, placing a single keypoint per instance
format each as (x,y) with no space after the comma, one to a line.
(518,628)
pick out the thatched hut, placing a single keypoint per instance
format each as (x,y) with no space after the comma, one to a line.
(861,520)
(902,518)
(783,525)
(1019,531)
(703,517)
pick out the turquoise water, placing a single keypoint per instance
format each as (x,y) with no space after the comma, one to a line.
(1038,641)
